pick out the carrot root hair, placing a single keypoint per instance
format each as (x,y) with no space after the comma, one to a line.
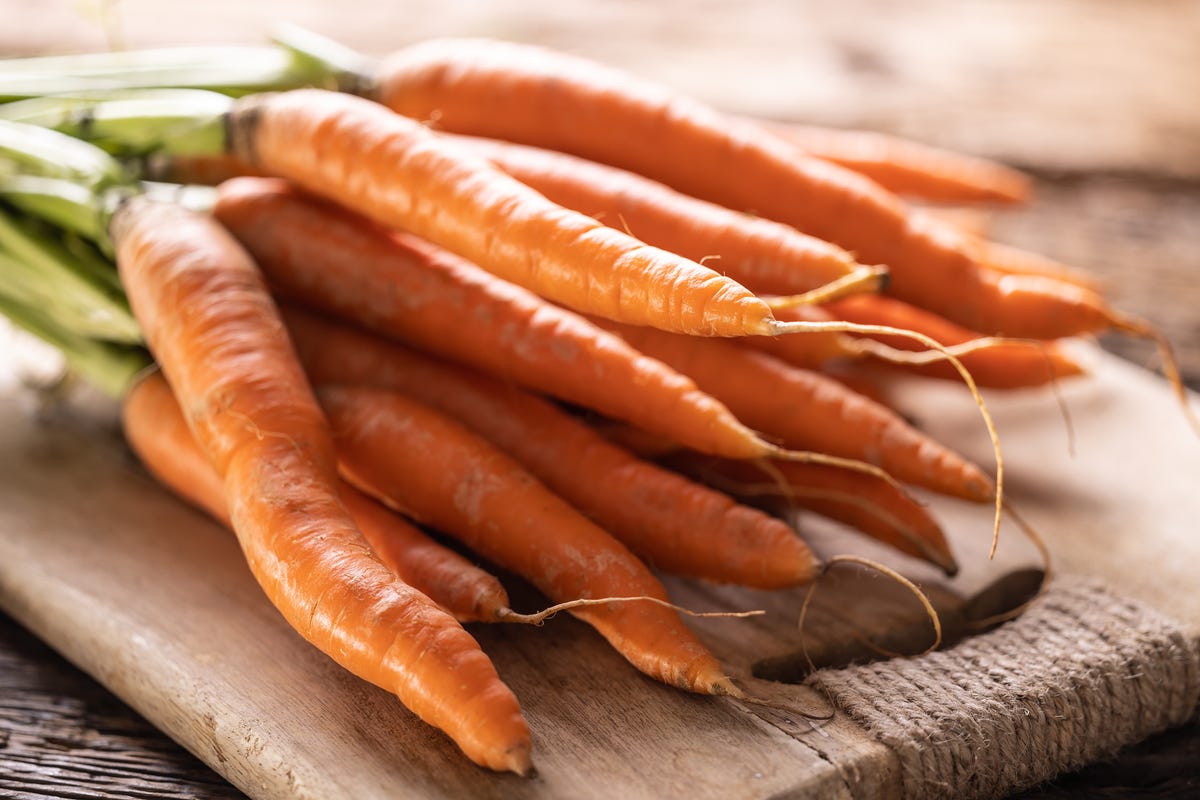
(877,349)
(854,465)
(1170,365)
(540,617)
(1043,549)
(812,667)
(862,280)
(791,494)
(930,611)
(779,328)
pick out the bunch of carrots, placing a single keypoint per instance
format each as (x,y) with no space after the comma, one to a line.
(388,314)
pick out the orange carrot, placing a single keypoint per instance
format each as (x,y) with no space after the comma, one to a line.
(397,172)
(1002,365)
(1011,260)
(204,170)
(764,256)
(397,285)
(669,522)
(861,501)
(812,350)
(155,429)
(1008,365)
(438,472)
(215,332)
(909,168)
(973,221)
(534,96)
(468,592)
(807,410)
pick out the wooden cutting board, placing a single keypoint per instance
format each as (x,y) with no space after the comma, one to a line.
(153,600)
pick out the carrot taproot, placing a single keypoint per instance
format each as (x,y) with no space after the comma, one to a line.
(862,379)
(764,256)
(419,460)
(971,220)
(156,430)
(214,330)
(910,168)
(1011,260)
(1006,365)
(397,172)
(535,96)
(449,579)
(805,409)
(341,263)
(1002,364)
(671,523)
(203,170)
(862,502)
(813,350)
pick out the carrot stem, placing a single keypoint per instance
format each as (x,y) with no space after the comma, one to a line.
(111,368)
(43,273)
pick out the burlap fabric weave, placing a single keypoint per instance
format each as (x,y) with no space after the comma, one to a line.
(1081,674)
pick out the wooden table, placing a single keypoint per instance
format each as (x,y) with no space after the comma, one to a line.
(1096,102)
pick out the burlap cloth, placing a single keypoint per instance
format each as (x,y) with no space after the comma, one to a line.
(1081,674)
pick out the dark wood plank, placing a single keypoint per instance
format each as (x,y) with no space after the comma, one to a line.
(63,735)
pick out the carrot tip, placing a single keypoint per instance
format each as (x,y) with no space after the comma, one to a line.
(520,760)
(944,561)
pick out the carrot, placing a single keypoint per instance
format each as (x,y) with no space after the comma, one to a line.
(640,442)
(1003,364)
(669,522)
(204,170)
(468,592)
(221,345)
(861,501)
(1011,260)
(438,472)
(807,410)
(909,168)
(398,173)
(397,285)
(1008,365)
(813,350)
(764,256)
(534,96)
(155,429)
(971,220)
(860,379)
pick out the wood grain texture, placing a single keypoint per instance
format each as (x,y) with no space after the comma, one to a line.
(1097,100)
(155,601)
(204,657)
(63,735)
